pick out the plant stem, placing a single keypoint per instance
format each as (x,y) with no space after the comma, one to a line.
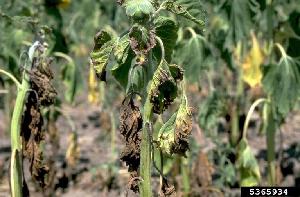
(271,129)
(16,172)
(146,146)
(145,163)
(235,128)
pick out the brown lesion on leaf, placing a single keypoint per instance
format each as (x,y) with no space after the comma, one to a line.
(142,40)
(131,124)
(183,131)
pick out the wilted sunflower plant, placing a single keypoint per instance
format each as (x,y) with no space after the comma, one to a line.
(141,61)
(35,92)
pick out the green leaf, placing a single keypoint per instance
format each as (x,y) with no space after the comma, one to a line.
(173,135)
(104,44)
(123,56)
(139,9)
(166,28)
(189,9)
(210,111)
(137,79)
(248,166)
(282,81)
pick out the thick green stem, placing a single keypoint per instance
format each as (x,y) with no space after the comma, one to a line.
(16,172)
(271,129)
(145,164)
(235,128)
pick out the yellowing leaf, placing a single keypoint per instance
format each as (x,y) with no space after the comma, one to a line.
(73,152)
(93,95)
(251,65)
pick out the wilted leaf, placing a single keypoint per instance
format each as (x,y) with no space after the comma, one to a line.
(248,166)
(142,40)
(163,89)
(174,134)
(40,79)
(137,80)
(240,22)
(104,44)
(166,29)
(189,9)
(124,56)
(73,152)
(191,55)
(282,81)
(252,73)
(130,127)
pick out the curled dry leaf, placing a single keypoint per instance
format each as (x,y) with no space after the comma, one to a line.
(33,134)
(131,123)
(163,89)
(43,93)
(40,80)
